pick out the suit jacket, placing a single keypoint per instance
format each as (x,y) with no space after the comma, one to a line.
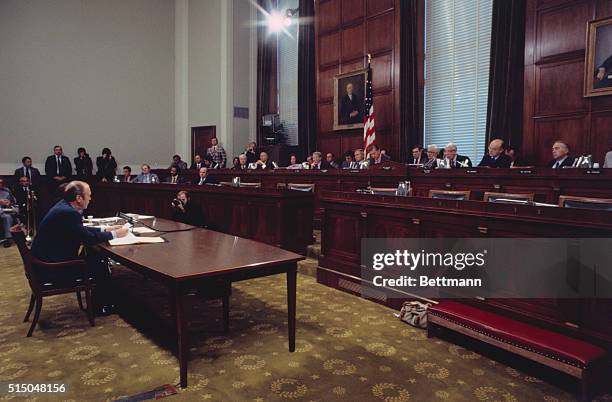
(207,180)
(106,168)
(420,161)
(569,161)
(240,167)
(502,161)
(61,233)
(181,165)
(83,167)
(51,167)
(142,179)
(122,179)
(383,158)
(347,106)
(195,166)
(34,175)
(323,165)
(269,165)
(462,160)
(179,180)
(251,156)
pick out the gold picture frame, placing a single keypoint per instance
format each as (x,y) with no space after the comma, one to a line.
(598,58)
(343,120)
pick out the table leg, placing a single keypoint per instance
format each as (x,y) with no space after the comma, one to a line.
(182,334)
(291,301)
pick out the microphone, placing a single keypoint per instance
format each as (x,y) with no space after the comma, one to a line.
(128,218)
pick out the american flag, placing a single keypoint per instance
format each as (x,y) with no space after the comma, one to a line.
(369,132)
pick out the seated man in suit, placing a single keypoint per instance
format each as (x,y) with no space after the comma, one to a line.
(318,163)
(561,158)
(359,158)
(349,161)
(331,160)
(126,177)
(57,167)
(6,219)
(60,236)
(204,178)
(418,156)
(452,160)
(26,170)
(496,157)
(243,162)
(515,159)
(376,156)
(174,177)
(185,211)
(432,157)
(146,176)
(209,163)
(197,163)
(264,162)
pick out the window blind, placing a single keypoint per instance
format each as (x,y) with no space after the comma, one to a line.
(288,77)
(457,52)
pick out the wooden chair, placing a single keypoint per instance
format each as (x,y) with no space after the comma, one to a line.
(600,204)
(41,290)
(508,198)
(383,190)
(450,195)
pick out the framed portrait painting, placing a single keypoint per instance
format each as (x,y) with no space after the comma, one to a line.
(598,58)
(349,93)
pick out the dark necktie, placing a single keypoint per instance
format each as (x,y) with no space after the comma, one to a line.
(59,162)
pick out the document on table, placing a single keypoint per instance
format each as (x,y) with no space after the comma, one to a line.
(141,230)
(130,239)
(138,217)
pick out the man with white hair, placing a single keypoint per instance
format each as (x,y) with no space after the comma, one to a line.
(453,160)
(561,158)
(432,156)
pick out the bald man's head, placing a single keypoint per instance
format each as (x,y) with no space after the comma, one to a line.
(496,147)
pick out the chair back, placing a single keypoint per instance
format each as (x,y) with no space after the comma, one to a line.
(600,204)
(450,195)
(20,239)
(508,198)
(306,187)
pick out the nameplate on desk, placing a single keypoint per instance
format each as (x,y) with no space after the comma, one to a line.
(525,171)
(471,171)
(593,171)
(387,168)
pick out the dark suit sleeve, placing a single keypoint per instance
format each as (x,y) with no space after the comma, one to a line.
(469,162)
(88,236)
(483,162)
(49,167)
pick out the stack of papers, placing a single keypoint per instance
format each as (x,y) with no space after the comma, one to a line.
(130,239)
(138,217)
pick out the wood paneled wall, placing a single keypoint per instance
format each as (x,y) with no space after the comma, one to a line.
(346,31)
(554,106)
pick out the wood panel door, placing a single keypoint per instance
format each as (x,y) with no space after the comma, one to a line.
(200,140)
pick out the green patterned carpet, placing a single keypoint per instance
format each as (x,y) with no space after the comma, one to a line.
(348,349)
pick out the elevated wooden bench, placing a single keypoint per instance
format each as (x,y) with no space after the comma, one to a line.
(572,356)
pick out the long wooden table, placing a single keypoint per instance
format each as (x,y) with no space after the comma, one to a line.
(281,218)
(195,257)
(350,217)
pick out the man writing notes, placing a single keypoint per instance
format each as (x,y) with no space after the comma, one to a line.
(496,156)
(561,158)
(351,107)
(60,235)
